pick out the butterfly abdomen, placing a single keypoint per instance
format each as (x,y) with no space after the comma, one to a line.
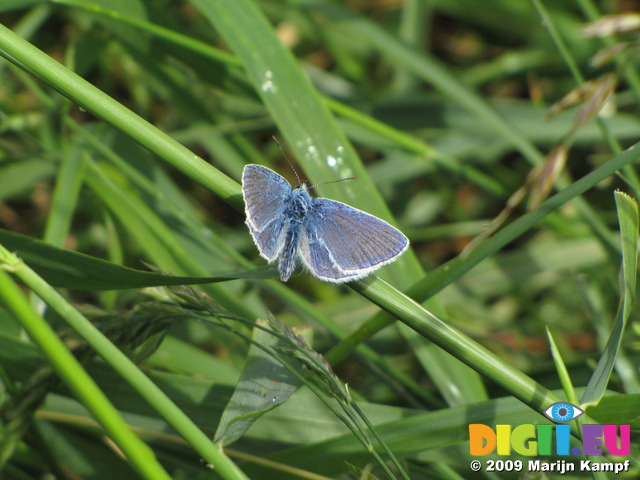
(289,252)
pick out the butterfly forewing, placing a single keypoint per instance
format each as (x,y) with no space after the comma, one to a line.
(265,193)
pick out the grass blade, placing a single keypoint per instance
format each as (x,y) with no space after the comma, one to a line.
(72,372)
(69,269)
(563,373)
(121,363)
(628,219)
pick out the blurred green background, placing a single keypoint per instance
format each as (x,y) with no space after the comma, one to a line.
(492,133)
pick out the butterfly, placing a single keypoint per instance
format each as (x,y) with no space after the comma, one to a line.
(336,242)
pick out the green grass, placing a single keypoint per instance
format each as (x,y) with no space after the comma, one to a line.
(125,127)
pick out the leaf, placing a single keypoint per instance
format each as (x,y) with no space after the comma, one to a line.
(67,269)
(563,373)
(264,384)
(617,409)
(628,219)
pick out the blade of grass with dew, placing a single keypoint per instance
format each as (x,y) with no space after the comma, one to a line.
(76,378)
(628,219)
(126,368)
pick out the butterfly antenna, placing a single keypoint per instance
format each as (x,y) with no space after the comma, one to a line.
(287,158)
(332,181)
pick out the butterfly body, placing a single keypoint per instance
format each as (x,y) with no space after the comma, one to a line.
(336,242)
(295,217)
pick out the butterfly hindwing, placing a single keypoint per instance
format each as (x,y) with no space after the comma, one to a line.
(317,258)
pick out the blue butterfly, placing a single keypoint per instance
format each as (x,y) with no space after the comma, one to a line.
(336,242)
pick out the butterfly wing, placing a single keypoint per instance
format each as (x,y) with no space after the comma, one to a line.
(341,243)
(265,195)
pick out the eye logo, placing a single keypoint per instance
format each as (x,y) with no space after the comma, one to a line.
(563,412)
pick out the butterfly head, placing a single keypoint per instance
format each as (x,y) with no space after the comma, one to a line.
(302,188)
